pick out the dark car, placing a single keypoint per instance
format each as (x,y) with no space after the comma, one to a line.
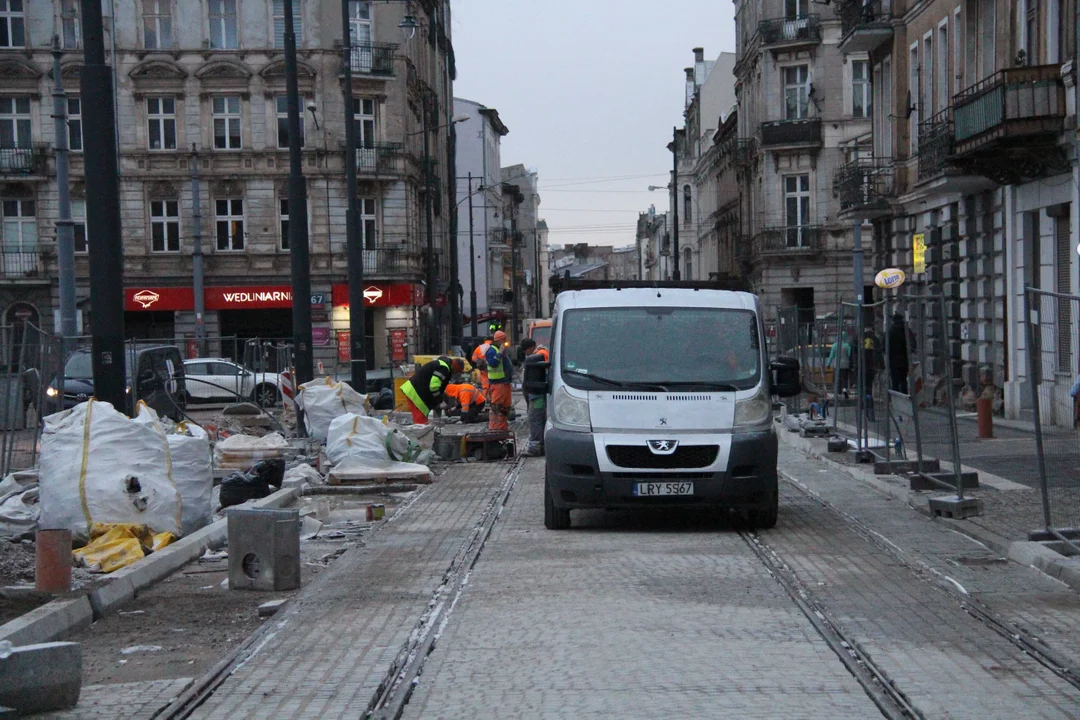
(160,381)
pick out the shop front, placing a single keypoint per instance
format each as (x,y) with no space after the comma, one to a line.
(391,319)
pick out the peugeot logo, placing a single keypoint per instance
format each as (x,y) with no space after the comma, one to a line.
(663,421)
(663,447)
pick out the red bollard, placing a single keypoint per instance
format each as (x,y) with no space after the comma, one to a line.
(53,571)
(984,407)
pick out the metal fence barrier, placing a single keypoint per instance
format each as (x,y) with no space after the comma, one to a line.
(1052,325)
(29,360)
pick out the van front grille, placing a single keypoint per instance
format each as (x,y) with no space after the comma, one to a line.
(685,456)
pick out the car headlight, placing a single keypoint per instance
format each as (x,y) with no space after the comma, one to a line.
(127,390)
(753,412)
(570,410)
(51,391)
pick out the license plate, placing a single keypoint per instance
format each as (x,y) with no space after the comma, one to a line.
(661,489)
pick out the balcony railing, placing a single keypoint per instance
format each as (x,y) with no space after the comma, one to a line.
(789,240)
(1020,101)
(865,185)
(935,144)
(500,296)
(18,263)
(373,59)
(790,31)
(499,239)
(393,262)
(28,160)
(864,25)
(791,132)
(380,158)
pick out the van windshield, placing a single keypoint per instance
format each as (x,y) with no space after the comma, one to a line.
(542,335)
(674,347)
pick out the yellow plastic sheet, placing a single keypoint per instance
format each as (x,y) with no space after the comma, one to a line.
(116,545)
(162,539)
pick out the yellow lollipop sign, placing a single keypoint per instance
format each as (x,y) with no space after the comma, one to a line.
(890,278)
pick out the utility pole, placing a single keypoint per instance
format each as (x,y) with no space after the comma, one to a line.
(537,274)
(515,257)
(197,270)
(354,243)
(431,345)
(472,266)
(676,274)
(103,212)
(298,220)
(65,229)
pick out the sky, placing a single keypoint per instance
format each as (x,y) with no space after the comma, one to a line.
(590,90)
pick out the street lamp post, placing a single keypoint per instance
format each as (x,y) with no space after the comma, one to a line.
(472,265)
(675,274)
(353,242)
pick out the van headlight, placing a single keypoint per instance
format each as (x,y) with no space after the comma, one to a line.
(51,391)
(570,410)
(753,412)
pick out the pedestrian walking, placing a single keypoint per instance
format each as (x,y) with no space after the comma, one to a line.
(426,389)
(537,404)
(469,402)
(500,373)
(899,334)
(840,361)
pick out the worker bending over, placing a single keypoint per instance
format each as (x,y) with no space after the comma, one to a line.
(425,390)
(500,373)
(470,401)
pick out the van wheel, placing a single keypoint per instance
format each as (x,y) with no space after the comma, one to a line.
(764,517)
(554,518)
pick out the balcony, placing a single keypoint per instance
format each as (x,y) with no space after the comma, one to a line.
(745,152)
(781,135)
(23,264)
(500,297)
(935,145)
(373,59)
(380,159)
(865,186)
(789,241)
(394,263)
(864,26)
(1007,126)
(499,239)
(790,32)
(23,160)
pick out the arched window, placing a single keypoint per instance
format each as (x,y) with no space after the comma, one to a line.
(688,205)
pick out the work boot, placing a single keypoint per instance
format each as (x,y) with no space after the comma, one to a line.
(531,451)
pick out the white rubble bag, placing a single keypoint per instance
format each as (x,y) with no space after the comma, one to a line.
(324,400)
(193,473)
(98,465)
(357,436)
(241,452)
(19,509)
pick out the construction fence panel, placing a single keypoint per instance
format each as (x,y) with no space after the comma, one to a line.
(842,360)
(1052,329)
(31,381)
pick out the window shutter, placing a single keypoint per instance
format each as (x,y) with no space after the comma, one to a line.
(279,22)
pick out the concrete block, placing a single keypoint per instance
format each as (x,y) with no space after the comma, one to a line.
(264,549)
(896,467)
(956,508)
(52,621)
(269,609)
(38,678)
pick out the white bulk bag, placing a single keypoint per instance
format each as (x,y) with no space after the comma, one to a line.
(193,473)
(356,436)
(98,465)
(323,400)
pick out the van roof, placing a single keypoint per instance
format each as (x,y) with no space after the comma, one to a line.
(656,297)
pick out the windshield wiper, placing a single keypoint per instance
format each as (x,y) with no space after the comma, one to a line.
(718,386)
(618,383)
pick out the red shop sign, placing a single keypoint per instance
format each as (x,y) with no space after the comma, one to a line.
(344,342)
(381,295)
(255,297)
(399,338)
(149,299)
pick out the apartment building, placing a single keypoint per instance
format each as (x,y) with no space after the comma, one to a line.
(803,106)
(653,237)
(523,247)
(203,85)
(974,109)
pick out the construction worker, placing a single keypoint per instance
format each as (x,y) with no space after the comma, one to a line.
(480,363)
(536,404)
(500,373)
(470,401)
(426,388)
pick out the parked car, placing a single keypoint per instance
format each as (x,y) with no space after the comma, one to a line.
(159,373)
(210,379)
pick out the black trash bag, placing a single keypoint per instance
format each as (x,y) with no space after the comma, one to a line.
(385,400)
(239,487)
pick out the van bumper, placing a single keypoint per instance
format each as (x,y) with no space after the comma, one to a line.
(575,480)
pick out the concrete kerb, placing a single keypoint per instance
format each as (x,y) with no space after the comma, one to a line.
(64,617)
(1023,552)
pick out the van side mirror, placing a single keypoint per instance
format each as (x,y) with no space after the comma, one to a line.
(535,380)
(785,377)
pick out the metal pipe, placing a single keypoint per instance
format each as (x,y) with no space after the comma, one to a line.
(197,270)
(103,212)
(65,228)
(354,243)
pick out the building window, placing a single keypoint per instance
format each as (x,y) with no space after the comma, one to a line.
(165,226)
(914,105)
(1031,33)
(157,24)
(364,115)
(223,26)
(20,225)
(368,228)
(282,106)
(15,122)
(74,111)
(229,215)
(688,205)
(226,111)
(279,22)
(926,76)
(161,123)
(360,22)
(12,24)
(860,88)
(794,9)
(942,79)
(69,21)
(283,221)
(958,53)
(796,92)
(78,225)
(796,208)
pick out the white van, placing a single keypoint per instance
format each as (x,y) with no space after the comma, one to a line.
(660,397)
